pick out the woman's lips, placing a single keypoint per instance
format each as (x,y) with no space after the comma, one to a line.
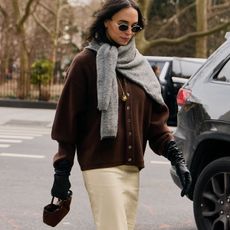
(125,39)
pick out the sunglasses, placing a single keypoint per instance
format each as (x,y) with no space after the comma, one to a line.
(125,27)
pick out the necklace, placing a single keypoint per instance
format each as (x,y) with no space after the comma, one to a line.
(124,95)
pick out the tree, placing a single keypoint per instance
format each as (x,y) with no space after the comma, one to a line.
(20,17)
(55,31)
(145,43)
(41,72)
(65,26)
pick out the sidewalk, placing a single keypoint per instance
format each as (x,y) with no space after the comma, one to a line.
(26,117)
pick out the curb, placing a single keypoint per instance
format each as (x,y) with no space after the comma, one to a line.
(16,103)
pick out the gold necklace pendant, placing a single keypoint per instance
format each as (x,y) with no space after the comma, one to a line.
(124,98)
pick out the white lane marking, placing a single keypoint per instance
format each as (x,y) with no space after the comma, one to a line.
(4,146)
(23,131)
(10,141)
(160,162)
(20,133)
(16,129)
(16,137)
(21,155)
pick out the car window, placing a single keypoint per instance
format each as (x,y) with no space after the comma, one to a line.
(186,67)
(224,73)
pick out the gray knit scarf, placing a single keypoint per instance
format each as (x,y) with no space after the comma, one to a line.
(132,65)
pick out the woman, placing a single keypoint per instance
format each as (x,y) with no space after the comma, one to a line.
(111,105)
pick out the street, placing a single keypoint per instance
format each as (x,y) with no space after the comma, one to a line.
(26,176)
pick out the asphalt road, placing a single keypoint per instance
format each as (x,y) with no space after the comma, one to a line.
(26,176)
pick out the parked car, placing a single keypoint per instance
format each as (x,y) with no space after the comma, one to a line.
(173,72)
(203,135)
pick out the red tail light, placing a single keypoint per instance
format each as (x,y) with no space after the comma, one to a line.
(182,96)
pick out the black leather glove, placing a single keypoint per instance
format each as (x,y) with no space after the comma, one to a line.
(61,184)
(177,160)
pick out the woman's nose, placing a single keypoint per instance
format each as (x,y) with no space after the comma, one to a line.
(129,31)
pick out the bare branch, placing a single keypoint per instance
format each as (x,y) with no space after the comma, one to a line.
(218,11)
(173,18)
(42,25)
(47,8)
(3,11)
(220,6)
(27,12)
(179,40)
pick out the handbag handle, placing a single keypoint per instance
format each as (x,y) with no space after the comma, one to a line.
(70,193)
(52,201)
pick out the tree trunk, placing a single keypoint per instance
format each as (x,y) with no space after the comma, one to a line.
(202,25)
(4,45)
(55,40)
(23,86)
(141,42)
(24,77)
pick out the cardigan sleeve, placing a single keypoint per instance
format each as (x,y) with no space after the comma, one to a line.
(71,104)
(159,134)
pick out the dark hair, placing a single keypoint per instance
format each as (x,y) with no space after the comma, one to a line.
(109,8)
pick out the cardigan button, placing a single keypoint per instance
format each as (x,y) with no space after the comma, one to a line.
(130,147)
(129,159)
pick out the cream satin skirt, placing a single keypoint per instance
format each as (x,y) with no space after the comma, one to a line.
(113,194)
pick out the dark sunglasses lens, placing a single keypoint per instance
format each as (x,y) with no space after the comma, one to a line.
(123,27)
(136,29)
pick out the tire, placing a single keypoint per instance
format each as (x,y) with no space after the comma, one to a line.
(211,203)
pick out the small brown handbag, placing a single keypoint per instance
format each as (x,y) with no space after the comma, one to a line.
(53,213)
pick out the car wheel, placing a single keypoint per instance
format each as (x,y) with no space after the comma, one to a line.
(211,201)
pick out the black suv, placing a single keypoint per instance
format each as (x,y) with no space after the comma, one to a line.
(173,72)
(203,134)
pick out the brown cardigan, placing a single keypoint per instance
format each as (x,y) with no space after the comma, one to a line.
(77,121)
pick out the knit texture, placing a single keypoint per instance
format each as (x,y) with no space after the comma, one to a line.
(131,64)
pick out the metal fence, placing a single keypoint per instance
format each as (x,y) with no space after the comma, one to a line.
(9,87)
